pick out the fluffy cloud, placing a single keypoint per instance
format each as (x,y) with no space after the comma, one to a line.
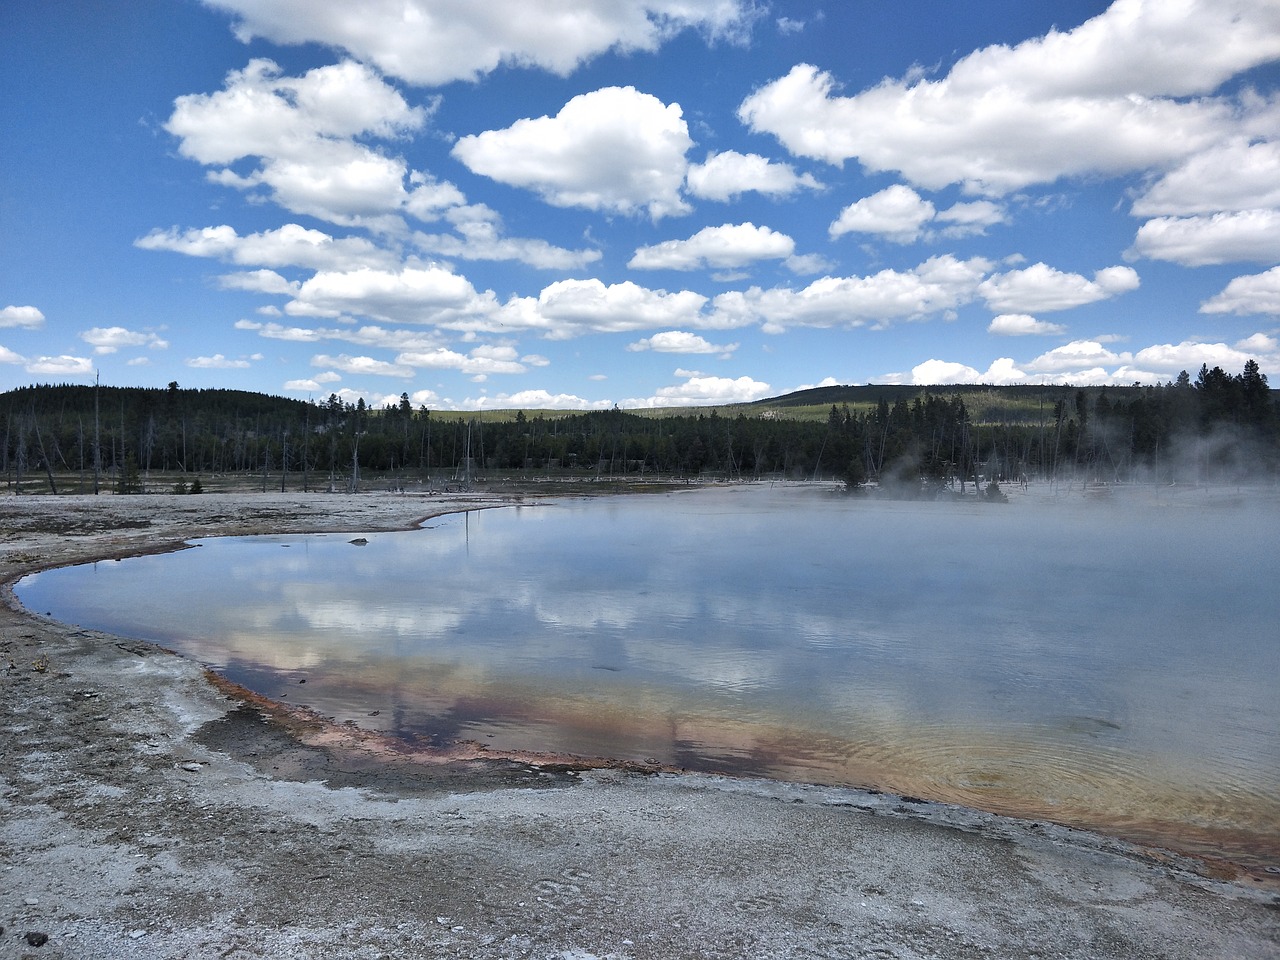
(422,295)
(291,245)
(729,245)
(1096,99)
(570,308)
(1076,355)
(938,284)
(8,356)
(1255,294)
(896,213)
(679,341)
(535,400)
(1244,235)
(1041,289)
(220,362)
(106,340)
(430,199)
(615,150)
(303,131)
(258,281)
(726,175)
(364,366)
(966,219)
(1170,358)
(479,237)
(61,366)
(701,390)
(433,42)
(1021,325)
(941,372)
(482,361)
(28,318)
(1091,362)
(263,114)
(901,215)
(1236,175)
(312,384)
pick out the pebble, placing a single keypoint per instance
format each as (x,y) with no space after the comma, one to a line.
(192,767)
(36,938)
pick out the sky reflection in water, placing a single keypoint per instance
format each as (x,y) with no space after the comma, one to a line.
(1107,664)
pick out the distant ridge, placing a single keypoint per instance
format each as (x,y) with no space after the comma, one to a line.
(891,392)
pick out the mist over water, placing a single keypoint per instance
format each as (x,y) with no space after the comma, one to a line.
(1103,661)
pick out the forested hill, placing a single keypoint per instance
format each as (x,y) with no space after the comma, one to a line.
(1215,426)
(1000,404)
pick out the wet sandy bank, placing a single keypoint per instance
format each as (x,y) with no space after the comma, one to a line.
(146,812)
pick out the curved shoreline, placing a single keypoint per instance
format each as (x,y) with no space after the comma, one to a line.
(108,723)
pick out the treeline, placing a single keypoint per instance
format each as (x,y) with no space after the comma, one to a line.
(1215,427)
(1218,427)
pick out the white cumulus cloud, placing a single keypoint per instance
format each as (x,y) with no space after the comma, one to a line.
(896,213)
(943,372)
(1041,289)
(106,340)
(1076,355)
(1236,175)
(571,308)
(726,246)
(1258,293)
(368,366)
(219,361)
(1022,325)
(60,366)
(28,318)
(728,174)
(700,390)
(901,215)
(939,284)
(481,361)
(291,245)
(615,149)
(1197,241)
(1125,91)
(303,132)
(680,341)
(433,42)
(421,295)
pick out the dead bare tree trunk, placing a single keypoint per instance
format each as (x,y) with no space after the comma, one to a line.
(48,467)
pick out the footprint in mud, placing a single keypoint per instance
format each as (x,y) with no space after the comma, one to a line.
(554,888)
(564,892)
(760,903)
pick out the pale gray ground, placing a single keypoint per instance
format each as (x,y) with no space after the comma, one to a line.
(143,814)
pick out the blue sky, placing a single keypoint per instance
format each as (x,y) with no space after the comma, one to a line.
(574,204)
